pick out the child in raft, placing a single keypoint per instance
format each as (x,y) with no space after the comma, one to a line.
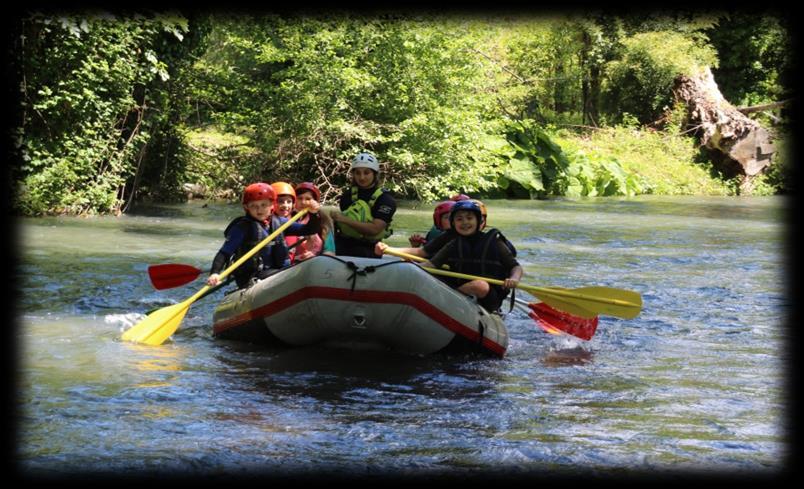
(471,251)
(431,247)
(321,243)
(283,207)
(440,224)
(440,221)
(474,252)
(245,232)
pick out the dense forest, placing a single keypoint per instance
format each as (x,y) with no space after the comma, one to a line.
(115,108)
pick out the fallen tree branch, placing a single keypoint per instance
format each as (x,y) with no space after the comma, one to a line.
(763,107)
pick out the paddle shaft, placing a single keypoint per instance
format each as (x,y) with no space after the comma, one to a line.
(171,275)
(593,300)
(159,325)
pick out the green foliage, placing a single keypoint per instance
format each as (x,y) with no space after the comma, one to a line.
(539,166)
(311,92)
(84,82)
(756,57)
(640,82)
(130,106)
(661,162)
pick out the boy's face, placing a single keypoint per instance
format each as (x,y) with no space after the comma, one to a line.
(284,204)
(444,225)
(304,200)
(465,223)
(364,177)
(259,209)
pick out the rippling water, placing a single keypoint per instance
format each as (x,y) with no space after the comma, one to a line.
(695,384)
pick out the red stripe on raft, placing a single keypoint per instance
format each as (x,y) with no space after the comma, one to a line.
(373,296)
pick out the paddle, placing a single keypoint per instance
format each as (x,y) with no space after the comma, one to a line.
(554,321)
(160,324)
(548,319)
(170,275)
(208,292)
(586,302)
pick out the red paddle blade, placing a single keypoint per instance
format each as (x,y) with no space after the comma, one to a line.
(172,275)
(544,325)
(554,321)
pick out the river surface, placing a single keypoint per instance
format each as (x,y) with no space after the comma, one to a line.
(696,384)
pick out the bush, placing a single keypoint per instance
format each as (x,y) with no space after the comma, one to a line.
(640,82)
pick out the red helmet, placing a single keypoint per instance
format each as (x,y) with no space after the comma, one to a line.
(258,191)
(459,197)
(284,188)
(310,186)
(440,210)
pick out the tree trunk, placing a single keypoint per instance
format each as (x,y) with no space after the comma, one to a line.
(740,146)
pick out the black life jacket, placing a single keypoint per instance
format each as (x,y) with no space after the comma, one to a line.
(478,255)
(253,233)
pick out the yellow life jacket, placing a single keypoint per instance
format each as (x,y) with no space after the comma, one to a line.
(360,211)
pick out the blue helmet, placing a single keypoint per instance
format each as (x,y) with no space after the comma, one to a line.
(466,205)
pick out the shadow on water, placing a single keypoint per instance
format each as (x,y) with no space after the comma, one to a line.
(327,373)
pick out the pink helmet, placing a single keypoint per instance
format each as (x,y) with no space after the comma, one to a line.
(309,186)
(258,191)
(441,209)
(459,197)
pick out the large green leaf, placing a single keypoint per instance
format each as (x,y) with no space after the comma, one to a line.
(524,172)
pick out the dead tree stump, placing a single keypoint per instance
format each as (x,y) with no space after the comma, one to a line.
(740,146)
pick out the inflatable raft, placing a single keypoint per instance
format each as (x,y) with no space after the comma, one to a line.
(357,303)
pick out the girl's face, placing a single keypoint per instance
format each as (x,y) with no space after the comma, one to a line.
(284,204)
(465,223)
(260,209)
(444,224)
(363,177)
(304,200)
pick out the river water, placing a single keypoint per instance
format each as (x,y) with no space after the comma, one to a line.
(696,384)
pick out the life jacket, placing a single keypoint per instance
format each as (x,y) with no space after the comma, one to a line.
(432,234)
(290,241)
(360,211)
(253,233)
(505,240)
(478,255)
(312,246)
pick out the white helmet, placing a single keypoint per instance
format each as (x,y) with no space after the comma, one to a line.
(365,160)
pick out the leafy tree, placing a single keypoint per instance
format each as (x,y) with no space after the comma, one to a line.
(756,57)
(84,84)
(313,91)
(640,82)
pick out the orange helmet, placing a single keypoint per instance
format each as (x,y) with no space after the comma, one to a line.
(284,188)
(483,211)
(309,186)
(258,191)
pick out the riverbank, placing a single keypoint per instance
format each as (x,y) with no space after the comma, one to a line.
(666,162)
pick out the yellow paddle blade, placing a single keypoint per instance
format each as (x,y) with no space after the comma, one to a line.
(158,326)
(590,301)
(586,302)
